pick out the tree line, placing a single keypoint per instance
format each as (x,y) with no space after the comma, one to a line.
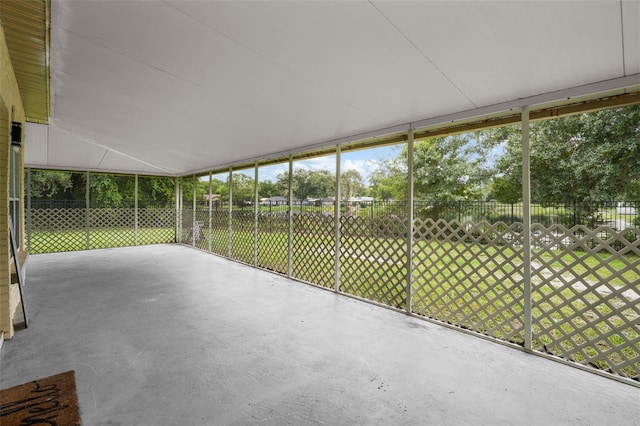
(105,190)
(305,184)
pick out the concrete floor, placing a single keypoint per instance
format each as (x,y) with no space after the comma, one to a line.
(167,335)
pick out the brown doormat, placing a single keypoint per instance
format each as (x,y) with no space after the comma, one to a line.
(51,401)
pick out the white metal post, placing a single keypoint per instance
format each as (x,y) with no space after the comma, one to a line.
(135,211)
(290,239)
(177,185)
(255,216)
(210,234)
(526,228)
(87,200)
(337,219)
(230,229)
(29,217)
(193,213)
(410,220)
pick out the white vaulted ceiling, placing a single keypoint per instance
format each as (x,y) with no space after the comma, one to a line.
(172,87)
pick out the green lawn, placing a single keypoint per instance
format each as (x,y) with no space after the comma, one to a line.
(71,240)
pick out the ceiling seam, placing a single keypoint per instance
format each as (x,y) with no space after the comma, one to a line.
(121,93)
(102,159)
(127,56)
(297,76)
(424,55)
(94,143)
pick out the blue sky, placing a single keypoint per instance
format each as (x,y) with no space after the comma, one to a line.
(364,161)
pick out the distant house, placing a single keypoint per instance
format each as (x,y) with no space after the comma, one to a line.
(625,209)
(361,200)
(274,201)
(329,201)
(318,202)
(214,197)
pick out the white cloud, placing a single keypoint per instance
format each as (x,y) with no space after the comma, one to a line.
(318,163)
(271,172)
(358,165)
(364,167)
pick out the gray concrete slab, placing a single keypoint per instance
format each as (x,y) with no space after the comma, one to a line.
(167,335)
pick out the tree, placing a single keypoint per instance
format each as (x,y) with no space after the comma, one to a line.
(389,180)
(220,187)
(201,188)
(156,191)
(49,183)
(587,157)
(450,168)
(243,190)
(104,189)
(268,189)
(308,183)
(351,184)
(504,191)
(110,191)
(445,168)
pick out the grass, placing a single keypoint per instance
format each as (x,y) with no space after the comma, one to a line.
(76,239)
(615,270)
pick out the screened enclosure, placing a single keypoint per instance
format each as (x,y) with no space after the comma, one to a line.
(431,229)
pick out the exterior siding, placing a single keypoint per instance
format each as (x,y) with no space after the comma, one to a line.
(11,109)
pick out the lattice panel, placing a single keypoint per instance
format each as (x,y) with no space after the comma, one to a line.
(186,228)
(313,247)
(242,247)
(111,228)
(201,229)
(586,296)
(220,232)
(57,230)
(156,226)
(470,275)
(273,241)
(373,258)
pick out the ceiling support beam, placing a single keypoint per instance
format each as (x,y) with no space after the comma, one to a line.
(526,229)
(616,101)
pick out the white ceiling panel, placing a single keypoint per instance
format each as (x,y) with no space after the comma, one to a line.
(68,150)
(344,50)
(503,50)
(51,147)
(179,86)
(37,145)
